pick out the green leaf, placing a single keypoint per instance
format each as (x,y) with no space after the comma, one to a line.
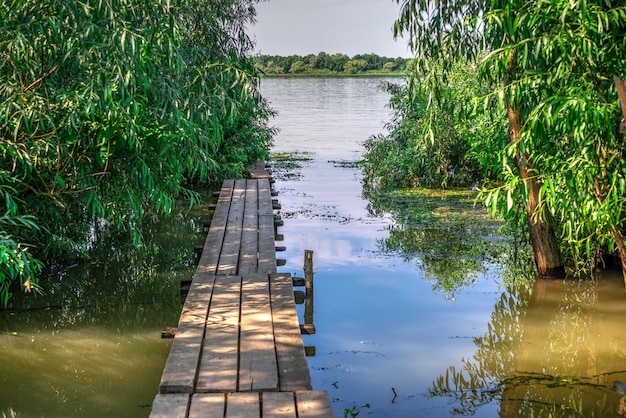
(59,180)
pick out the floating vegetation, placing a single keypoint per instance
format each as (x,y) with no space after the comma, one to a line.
(445,232)
(287,165)
(347,164)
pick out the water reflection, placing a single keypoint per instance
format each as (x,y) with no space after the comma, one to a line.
(385,343)
(551,350)
(91,346)
(450,238)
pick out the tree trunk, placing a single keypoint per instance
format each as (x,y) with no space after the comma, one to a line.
(621,249)
(542,237)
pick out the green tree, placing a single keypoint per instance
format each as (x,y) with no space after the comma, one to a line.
(324,63)
(430,144)
(110,109)
(389,66)
(549,65)
(338,62)
(355,66)
(298,67)
(312,62)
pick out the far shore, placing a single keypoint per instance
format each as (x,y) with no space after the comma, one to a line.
(330,74)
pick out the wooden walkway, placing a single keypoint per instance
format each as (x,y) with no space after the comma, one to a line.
(238,350)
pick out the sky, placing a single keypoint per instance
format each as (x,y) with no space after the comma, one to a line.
(351,27)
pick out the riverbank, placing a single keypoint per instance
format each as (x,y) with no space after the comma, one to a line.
(335,65)
(366,74)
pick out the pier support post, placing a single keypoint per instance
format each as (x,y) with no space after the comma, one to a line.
(308,283)
(308,271)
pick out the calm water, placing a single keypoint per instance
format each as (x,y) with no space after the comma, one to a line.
(387,342)
(91,346)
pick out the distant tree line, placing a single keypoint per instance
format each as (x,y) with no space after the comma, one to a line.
(324,63)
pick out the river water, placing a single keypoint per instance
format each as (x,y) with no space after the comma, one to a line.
(90,346)
(388,341)
(392,339)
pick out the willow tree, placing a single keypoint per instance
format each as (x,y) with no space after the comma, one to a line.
(110,109)
(550,66)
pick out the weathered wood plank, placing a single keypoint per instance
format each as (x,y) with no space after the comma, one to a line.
(259,171)
(171,405)
(265,197)
(293,368)
(219,362)
(207,405)
(267,238)
(209,259)
(182,363)
(279,405)
(242,404)
(313,404)
(229,257)
(240,336)
(258,369)
(248,262)
(267,245)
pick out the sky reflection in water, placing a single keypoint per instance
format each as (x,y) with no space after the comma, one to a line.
(385,340)
(379,325)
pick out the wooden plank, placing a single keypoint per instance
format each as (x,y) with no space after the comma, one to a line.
(240,336)
(293,369)
(242,404)
(267,245)
(229,257)
(279,405)
(248,262)
(172,405)
(259,171)
(215,237)
(265,197)
(207,405)
(281,279)
(219,362)
(267,238)
(182,363)
(257,365)
(313,404)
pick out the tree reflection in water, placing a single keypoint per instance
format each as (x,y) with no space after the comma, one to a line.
(90,346)
(452,239)
(553,347)
(553,350)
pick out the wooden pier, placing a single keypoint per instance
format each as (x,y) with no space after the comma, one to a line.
(238,351)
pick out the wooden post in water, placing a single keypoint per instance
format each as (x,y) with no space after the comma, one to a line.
(308,284)
(308,271)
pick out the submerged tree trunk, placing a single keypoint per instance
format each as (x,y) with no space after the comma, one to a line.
(621,249)
(542,237)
